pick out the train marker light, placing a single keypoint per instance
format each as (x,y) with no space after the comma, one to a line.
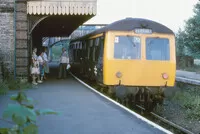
(165,76)
(118,74)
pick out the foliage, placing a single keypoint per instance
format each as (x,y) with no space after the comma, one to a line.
(22,114)
(57,49)
(3,88)
(195,68)
(189,38)
(189,100)
(14,84)
(180,46)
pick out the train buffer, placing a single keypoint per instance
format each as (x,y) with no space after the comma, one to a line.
(83,111)
(188,77)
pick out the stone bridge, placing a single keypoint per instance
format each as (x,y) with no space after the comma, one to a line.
(23,24)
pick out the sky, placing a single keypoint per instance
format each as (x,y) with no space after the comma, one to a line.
(171,13)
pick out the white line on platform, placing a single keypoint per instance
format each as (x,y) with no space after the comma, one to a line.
(188,79)
(123,107)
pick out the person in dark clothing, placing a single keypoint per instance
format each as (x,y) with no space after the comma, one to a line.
(64,60)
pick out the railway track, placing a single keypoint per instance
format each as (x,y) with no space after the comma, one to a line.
(176,128)
(167,121)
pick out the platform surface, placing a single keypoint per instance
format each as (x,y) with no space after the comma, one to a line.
(188,77)
(83,111)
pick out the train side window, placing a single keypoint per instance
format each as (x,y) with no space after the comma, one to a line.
(91,49)
(127,47)
(74,51)
(157,49)
(78,51)
(95,47)
(84,49)
(101,41)
(88,49)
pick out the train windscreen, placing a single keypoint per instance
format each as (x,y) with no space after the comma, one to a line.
(157,49)
(127,47)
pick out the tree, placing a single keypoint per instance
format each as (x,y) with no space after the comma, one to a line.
(180,45)
(189,38)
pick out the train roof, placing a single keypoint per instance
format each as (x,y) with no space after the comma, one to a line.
(129,24)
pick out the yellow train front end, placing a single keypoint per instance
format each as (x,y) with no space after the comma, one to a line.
(137,59)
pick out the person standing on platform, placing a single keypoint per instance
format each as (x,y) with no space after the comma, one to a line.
(46,65)
(35,72)
(64,60)
(41,65)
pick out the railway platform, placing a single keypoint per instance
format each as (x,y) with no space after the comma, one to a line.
(82,111)
(188,77)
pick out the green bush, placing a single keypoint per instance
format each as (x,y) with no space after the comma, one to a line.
(3,88)
(22,114)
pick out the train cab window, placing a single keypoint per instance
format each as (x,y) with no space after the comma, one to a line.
(127,47)
(157,49)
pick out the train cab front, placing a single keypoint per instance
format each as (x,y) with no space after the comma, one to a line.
(133,59)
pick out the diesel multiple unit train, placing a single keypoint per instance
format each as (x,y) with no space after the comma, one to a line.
(134,57)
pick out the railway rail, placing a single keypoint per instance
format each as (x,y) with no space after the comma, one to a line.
(163,120)
(167,121)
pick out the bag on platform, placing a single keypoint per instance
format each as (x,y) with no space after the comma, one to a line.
(68,66)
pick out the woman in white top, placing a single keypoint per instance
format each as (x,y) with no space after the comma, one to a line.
(35,72)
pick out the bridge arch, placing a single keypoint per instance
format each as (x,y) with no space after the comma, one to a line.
(47,18)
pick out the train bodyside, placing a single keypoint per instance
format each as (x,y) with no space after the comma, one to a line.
(86,56)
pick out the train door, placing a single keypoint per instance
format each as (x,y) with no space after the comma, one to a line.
(98,68)
(87,58)
(84,57)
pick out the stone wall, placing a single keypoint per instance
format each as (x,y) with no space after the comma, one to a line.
(7,37)
(7,34)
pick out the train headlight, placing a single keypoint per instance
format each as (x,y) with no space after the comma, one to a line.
(165,76)
(118,74)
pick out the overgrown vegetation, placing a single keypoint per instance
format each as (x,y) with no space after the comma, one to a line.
(189,99)
(22,113)
(195,68)
(11,84)
(3,88)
